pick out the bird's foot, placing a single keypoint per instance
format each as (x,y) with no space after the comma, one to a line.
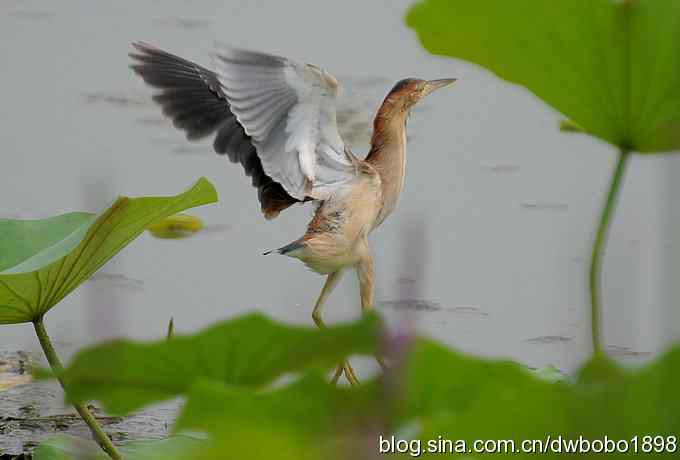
(346,369)
(382,362)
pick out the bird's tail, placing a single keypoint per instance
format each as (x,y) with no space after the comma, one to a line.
(287,249)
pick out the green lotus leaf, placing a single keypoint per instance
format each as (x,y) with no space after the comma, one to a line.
(610,66)
(42,261)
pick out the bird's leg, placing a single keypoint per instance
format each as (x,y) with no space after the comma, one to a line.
(365,273)
(338,372)
(329,285)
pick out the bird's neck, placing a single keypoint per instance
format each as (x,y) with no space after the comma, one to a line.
(387,155)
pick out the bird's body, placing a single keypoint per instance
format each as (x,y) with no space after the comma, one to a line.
(277,118)
(337,236)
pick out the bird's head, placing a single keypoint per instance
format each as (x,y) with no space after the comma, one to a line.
(407,92)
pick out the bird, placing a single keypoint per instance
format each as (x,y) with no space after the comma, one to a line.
(277,117)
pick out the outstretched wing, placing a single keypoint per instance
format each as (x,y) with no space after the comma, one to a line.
(289,111)
(192,97)
(275,116)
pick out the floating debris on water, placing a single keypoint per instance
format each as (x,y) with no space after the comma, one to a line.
(191,149)
(32,15)
(429,306)
(545,205)
(467,311)
(33,412)
(548,339)
(217,228)
(153,121)
(500,168)
(118,100)
(118,280)
(411,304)
(405,280)
(615,350)
(180,146)
(15,369)
(183,23)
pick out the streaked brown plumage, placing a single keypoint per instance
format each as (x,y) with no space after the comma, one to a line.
(277,118)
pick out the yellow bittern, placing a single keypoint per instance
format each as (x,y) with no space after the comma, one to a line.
(277,117)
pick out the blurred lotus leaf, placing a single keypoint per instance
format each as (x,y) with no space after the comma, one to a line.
(440,394)
(42,261)
(229,373)
(611,66)
(251,351)
(177,226)
(64,447)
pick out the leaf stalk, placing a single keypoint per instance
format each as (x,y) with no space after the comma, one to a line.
(53,359)
(598,250)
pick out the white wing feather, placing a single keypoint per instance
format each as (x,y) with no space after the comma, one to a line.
(289,110)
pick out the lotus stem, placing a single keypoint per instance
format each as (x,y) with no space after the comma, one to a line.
(53,359)
(598,250)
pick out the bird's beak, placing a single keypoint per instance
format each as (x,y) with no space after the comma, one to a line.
(433,85)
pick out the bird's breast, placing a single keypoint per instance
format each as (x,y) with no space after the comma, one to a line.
(335,237)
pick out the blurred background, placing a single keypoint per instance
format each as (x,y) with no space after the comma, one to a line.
(488,250)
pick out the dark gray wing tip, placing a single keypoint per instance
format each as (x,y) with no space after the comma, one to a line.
(192,97)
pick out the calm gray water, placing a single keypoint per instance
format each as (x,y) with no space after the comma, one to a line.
(491,237)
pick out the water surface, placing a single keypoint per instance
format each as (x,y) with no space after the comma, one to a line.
(491,237)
